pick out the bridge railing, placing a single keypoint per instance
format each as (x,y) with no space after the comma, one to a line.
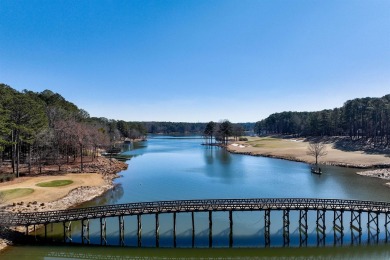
(140,208)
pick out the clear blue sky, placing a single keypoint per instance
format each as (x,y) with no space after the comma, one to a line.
(196,61)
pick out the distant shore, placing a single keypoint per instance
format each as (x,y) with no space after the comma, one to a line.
(295,149)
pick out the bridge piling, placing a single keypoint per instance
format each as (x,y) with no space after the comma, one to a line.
(45,232)
(85,231)
(373,227)
(67,231)
(121,230)
(387,221)
(338,227)
(193,229)
(139,231)
(231,228)
(157,231)
(210,229)
(103,231)
(35,232)
(267,225)
(286,227)
(174,229)
(356,225)
(321,227)
(303,227)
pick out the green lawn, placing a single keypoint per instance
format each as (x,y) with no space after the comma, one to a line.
(15,193)
(56,183)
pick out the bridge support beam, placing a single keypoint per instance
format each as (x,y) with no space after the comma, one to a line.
(356,227)
(286,227)
(85,231)
(139,231)
(46,231)
(373,227)
(121,230)
(210,229)
(303,227)
(338,227)
(231,228)
(103,231)
(321,228)
(67,231)
(387,222)
(193,229)
(267,227)
(35,232)
(157,231)
(174,229)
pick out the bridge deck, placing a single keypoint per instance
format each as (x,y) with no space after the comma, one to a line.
(141,208)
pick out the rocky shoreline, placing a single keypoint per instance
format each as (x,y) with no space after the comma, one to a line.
(378,173)
(109,170)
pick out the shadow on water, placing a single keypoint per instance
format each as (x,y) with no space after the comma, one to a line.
(119,253)
(109,197)
(219,164)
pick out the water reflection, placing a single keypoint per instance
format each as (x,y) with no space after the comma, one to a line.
(110,197)
(219,164)
(209,154)
(223,157)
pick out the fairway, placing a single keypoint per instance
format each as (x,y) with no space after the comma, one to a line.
(275,143)
(15,193)
(55,183)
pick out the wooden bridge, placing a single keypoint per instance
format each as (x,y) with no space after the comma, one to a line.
(339,207)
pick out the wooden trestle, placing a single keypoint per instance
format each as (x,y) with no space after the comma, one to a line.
(286,205)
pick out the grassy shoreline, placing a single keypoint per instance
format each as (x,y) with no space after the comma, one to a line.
(60,191)
(295,149)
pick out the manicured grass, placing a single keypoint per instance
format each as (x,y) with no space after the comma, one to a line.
(56,183)
(267,142)
(276,143)
(15,193)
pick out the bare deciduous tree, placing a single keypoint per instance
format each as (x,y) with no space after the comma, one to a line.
(317,150)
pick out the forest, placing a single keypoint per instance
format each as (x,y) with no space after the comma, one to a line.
(184,127)
(37,129)
(364,119)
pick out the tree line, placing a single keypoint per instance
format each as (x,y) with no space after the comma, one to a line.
(220,132)
(173,127)
(366,119)
(43,128)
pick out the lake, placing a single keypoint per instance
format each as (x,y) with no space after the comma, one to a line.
(172,168)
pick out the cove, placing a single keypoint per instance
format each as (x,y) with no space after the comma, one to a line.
(171,168)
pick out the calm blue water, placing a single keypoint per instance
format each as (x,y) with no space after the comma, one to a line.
(171,168)
(167,168)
